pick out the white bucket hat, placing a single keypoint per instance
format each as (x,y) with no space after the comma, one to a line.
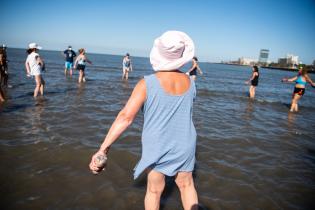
(34,45)
(171,51)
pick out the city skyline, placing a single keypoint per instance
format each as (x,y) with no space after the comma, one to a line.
(221,30)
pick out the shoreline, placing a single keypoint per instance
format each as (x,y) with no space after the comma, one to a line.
(267,67)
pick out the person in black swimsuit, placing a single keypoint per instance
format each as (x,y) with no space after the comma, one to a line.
(194,68)
(254,82)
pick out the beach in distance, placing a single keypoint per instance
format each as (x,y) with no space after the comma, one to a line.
(251,154)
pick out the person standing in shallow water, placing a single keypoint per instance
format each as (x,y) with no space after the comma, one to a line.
(253,82)
(3,71)
(299,89)
(192,72)
(80,64)
(4,66)
(127,66)
(69,56)
(169,135)
(34,66)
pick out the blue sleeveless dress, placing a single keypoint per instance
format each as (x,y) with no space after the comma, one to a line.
(169,135)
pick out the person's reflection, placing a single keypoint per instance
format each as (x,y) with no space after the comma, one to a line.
(291,119)
(125,84)
(35,116)
(81,87)
(248,115)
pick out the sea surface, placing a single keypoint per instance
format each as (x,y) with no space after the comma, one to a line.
(251,154)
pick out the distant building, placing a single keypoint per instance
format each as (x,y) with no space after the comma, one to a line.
(314,63)
(246,61)
(293,60)
(290,61)
(263,56)
(283,62)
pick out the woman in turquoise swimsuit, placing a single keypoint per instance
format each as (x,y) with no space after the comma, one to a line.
(300,81)
(169,135)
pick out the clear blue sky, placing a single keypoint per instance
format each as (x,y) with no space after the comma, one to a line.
(221,29)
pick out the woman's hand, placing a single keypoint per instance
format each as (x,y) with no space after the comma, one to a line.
(284,80)
(98,162)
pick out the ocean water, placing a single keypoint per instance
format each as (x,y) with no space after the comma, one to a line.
(251,154)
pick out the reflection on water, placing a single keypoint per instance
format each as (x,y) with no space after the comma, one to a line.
(291,119)
(248,114)
(125,84)
(81,87)
(33,118)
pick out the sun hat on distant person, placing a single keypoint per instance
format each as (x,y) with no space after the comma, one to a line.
(171,51)
(34,46)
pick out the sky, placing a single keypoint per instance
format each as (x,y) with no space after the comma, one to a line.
(222,30)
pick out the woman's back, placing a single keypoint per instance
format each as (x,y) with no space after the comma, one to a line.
(169,135)
(173,83)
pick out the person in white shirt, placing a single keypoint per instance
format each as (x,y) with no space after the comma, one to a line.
(34,66)
(127,66)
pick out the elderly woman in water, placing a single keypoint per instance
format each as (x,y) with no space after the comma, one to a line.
(34,67)
(169,135)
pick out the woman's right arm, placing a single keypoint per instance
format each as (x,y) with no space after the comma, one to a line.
(122,121)
(27,67)
(289,79)
(76,62)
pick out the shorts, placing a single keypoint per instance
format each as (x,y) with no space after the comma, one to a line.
(81,67)
(193,72)
(68,65)
(36,72)
(254,83)
(299,91)
(126,69)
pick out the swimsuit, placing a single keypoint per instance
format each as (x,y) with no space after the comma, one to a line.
(126,65)
(298,90)
(300,81)
(81,64)
(254,81)
(193,72)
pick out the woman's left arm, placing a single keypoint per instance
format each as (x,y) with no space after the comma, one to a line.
(252,77)
(87,60)
(309,80)
(130,65)
(199,69)
(40,61)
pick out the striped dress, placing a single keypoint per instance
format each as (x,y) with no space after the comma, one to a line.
(169,135)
